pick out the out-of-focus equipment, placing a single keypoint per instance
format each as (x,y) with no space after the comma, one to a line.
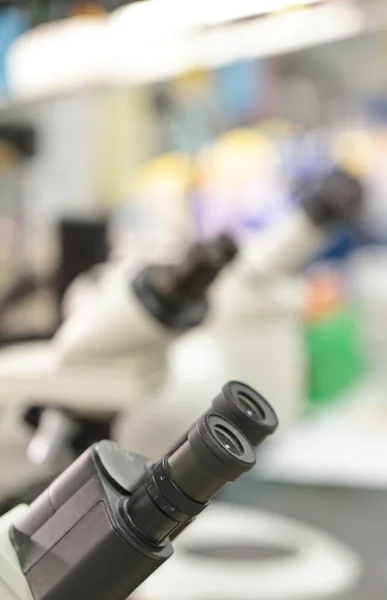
(82,244)
(160,303)
(112,347)
(257,330)
(105,525)
(18,144)
(119,338)
(332,199)
(30,292)
(22,138)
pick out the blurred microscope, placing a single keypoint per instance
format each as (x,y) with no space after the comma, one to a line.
(256,333)
(132,319)
(118,352)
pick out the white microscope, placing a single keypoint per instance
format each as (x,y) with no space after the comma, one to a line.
(112,353)
(255,332)
(127,327)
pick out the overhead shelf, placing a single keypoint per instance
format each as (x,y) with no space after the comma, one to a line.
(135,47)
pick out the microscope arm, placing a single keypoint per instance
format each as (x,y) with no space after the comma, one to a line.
(147,311)
(116,324)
(120,341)
(281,249)
(325,203)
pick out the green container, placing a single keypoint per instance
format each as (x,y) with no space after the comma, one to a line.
(334,354)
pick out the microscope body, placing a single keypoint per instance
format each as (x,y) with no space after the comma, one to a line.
(281,249)
(109,356)
(106,523)
(83,387)
(89,377)
(254,333)
(114,347)
(74,540)
(114,324)
(263,299)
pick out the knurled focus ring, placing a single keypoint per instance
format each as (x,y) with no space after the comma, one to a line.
(181,503)
(163,503)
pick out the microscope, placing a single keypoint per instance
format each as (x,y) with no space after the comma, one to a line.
(107,522)
(256,330)
(112,348)
(323,203)
(126,337)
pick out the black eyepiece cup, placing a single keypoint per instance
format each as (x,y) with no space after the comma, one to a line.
(248,410)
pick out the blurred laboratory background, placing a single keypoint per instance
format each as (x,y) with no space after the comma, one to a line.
(192,193)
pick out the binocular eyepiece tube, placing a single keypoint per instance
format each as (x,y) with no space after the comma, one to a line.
(246,409)
(217,449)
(181,485)
(107,523)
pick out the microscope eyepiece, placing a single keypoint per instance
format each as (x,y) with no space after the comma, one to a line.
(333,199)
(191,278)
(227,440)
(175,294)
(180,486)
(248,410)
(215,452)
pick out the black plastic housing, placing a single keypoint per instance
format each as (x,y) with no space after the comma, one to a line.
(105,525)
(75,540)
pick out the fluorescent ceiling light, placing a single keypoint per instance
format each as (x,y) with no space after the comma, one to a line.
(277,34)
(164,17)
(153,19)
(207,12)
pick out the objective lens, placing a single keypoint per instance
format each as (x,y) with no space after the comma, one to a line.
(249,407)
(228,440)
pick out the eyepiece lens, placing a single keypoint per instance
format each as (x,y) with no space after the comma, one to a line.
(249,407)
(228,440)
